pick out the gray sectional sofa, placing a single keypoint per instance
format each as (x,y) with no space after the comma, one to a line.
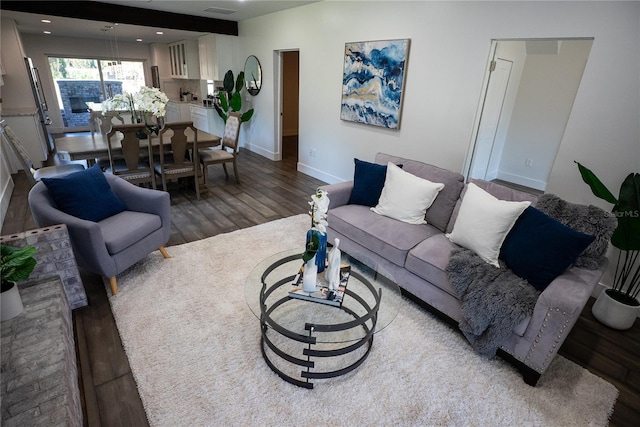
(416,258)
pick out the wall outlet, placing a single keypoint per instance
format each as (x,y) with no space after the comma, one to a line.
(528,163)
(312,152)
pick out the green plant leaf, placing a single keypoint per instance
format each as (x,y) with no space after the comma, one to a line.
(16,263)
(312,248)
(228,81)
(246,116)
(627,236)
(240,82)
(597,187)
(236,102)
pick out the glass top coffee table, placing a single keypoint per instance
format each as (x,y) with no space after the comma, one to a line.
(304,340)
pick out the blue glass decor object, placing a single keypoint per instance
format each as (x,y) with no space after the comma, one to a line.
(321,255)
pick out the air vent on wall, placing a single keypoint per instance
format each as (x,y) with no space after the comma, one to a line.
(220,10)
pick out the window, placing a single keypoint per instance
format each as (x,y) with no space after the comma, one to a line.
(82,80)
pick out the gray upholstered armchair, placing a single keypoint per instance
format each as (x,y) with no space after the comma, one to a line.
(110,246)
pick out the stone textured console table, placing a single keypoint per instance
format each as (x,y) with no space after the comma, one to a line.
(55,259)
(39,372)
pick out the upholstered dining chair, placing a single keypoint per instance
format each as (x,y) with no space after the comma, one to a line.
(112,223)
(135,164)
(33,175)
(229,150)
(181,161)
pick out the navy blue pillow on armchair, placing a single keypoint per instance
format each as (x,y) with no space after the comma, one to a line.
(538,248)
(85,194)
(368,182)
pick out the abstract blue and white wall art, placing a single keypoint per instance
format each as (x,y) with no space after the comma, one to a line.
(373,81)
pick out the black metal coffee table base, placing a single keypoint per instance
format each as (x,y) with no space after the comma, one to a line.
(309,353)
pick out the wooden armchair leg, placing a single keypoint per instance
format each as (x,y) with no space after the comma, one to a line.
(114,285)
(164,252)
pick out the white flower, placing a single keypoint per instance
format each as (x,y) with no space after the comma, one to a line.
(148,100)
(319,206)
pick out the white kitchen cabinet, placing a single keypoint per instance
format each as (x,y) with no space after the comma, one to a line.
(184,60)
(218,54)
(177,112)
(207,119)
(208,58)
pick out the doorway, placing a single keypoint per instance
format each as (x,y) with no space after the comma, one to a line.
(290,105)
(527,99)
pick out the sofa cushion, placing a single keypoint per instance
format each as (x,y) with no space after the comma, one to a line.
(85,194)
(429,259)
(440,211)
(389,238)
(498,191)
(538,248)
(126,228)
(483,223)
(585,219)
(406,197)
(368,181)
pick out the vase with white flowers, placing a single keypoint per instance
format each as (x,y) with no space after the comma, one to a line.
(146,103)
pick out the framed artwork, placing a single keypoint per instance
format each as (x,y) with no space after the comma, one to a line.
(373,82)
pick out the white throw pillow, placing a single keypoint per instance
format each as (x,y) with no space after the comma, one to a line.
(406,197)
(483,222)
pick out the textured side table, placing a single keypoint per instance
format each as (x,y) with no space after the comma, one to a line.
(39,372)
(55,258)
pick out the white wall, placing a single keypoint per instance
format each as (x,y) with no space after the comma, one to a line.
(450,43)
(546,92)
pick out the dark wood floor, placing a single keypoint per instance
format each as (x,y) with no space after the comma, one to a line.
(268,191)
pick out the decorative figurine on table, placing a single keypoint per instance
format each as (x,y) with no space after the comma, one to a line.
(319,206)
(332,273)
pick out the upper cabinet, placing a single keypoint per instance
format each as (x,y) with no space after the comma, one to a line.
(218,54)
(184,59)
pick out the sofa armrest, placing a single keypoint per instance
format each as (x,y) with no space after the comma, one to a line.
(556,312)
(339,193)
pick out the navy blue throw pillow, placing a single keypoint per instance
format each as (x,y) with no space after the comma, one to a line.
(368,182)
(538,248)
(85,194)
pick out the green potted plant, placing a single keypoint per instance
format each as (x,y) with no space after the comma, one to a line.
(618,307)
(16,264)
(231,100)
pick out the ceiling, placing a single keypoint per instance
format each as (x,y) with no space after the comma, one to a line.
(237,10)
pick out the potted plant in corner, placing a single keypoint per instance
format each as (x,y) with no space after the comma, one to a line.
(618,307)
(16,265)
(230,100)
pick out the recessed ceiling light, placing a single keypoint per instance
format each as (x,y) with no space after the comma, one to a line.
(47,32)
(46,21)
(138,40)
(159,33)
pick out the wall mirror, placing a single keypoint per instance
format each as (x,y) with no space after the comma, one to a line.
(252,75)
(528,95)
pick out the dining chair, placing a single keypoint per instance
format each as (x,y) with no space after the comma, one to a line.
(33,175)
(130,165)
(181,160)
(229,150)
(104,125)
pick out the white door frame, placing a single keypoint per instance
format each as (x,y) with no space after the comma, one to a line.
(278,98)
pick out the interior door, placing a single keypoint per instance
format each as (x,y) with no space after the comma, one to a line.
(490,120)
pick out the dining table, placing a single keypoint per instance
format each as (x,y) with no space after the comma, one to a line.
(90,147)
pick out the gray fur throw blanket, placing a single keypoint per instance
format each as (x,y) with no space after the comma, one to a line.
(494,300)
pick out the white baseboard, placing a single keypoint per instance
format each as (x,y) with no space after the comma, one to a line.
(522,180)
(318,174)
(264,153)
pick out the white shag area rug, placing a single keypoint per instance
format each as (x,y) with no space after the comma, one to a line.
(194,349)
